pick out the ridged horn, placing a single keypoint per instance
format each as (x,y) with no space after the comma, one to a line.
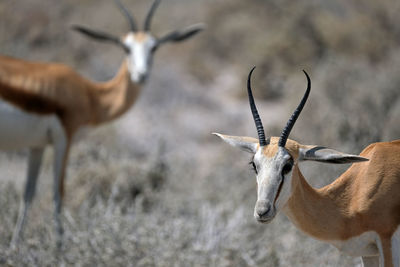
(147,22)
(128,15)
(286,131)
(256,117)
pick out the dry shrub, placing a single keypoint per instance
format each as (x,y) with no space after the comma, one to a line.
(128,205)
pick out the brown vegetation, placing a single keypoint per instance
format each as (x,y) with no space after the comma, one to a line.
(155,188)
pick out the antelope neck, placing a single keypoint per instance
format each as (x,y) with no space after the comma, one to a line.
(113,98)
(322,213)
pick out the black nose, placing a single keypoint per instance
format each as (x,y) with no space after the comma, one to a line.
(262,208)
(142,78)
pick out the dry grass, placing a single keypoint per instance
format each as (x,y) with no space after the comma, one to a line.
(155,188)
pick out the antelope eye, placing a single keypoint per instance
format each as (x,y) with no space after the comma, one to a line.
(288,167)
(154,48)
(126,48)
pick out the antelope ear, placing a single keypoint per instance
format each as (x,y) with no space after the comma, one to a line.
(178,36)
(248,144)
(327,155)
(100,36)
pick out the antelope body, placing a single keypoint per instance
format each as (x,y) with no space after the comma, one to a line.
(359,212)
(47,103)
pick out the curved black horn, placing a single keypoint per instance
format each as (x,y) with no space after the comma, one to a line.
(257,119)
(147,22)
(128,15)
(286,131)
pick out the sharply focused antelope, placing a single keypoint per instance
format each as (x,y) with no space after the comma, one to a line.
(46,103)
(359,213)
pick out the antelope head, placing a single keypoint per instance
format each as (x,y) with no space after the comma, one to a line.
(140,45)
(275,160)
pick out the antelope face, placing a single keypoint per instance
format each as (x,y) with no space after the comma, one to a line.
(273,161)
(140,45)
(273,167)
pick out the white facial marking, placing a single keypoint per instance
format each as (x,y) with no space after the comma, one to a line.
(140,57)
(286,191)
(269,180)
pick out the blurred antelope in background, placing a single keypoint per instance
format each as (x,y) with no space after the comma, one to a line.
(46,103)
(359,213)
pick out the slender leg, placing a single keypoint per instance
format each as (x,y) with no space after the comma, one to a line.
(372,261)
(396,248)
(34,163)
(61,149)
(385,251)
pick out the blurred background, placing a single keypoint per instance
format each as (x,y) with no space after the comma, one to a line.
(155,188)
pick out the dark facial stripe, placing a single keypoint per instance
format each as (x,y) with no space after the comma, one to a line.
(279,190)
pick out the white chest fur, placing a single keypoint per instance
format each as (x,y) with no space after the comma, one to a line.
(20,129)
(362,245)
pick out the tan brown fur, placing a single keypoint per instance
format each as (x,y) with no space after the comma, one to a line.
(271,149)
(350,213)
(47,88)
(141,36)
(364,198)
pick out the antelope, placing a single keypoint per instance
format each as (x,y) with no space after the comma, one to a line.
(359,213)
(46,103)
